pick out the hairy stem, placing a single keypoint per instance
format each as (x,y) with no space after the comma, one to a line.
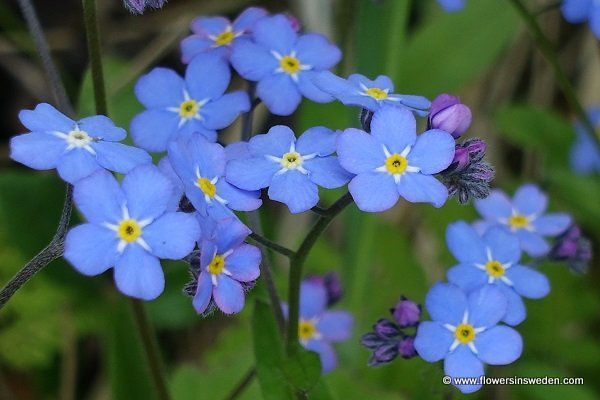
(297,263)
(93,42)
(272,245)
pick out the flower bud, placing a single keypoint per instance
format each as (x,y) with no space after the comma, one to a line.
(138,6)
(386,329)
(406,312)
(332,284)
(573,248)
(449,114)
(384,354)
(406,347)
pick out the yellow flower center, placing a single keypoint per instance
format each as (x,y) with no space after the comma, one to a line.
(464,333)
(494,269)
(290,64)
(518,221)
(291,160)
(396,164)
(216,265)
(377,93)
(207,187)
(188,108)
(129,230)
(224,38)
(306,330)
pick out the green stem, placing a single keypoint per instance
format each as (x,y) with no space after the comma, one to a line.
(296,264)
(272,245)
(93,41)
(150,345)
(242,384)
(545,46)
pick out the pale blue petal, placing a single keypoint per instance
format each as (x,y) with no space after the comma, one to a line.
(433,151)
(207,76)
(167,169)
(313,300)
(503,245)
(318,140)
(203,293)
(335,326)
(552,224)
(252,61)
(530,200)
(327,172)
(99,126)
(381,82)
(275,33)
(192,46)
(395,127)
(172,236)
(247,18)
(99,198)
(528,282)
(243,263)
(374,192)
(46,118)
(276,142)
(467,277)
(340,88)
(446,303)
(91,249)
(223,111)
(229,295)
(251,173)
(160,88)
(37,150)
(295,190)
(487,306)
(499,345)
(199,152)
(147,191)
(315,50)
(238,199)
(495,206)
(532,243)
(230,233)
(119,157)
(465,244)
(419,188)
(359,152)
(209,26)
(76,164)
(237,150)
(279,93)
(462,363)
(139,274)
(452,5)
(326,353)
(515,313)
(152,129)
(433,341)
(195,127)
(309,90)
(576,11)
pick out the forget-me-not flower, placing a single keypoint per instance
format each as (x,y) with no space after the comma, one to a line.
(358,90)
(128,229)
(393,161)
(464,332)
(225,263)
(75,149)
(291,168)
(284,63)
(585,153)
(576,11)
(494,259)
(452,5)
(523,216)
(218,34)
(179,107)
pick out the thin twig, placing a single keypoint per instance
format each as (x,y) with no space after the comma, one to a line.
(272,245)
(242,384)
(93,41)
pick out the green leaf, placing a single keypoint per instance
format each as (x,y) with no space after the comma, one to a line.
(303,370)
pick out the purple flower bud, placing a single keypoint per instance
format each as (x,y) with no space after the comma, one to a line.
(138,6)
(294,22)
(406,312)
(449,114)
(574,248)
(371,340)
(384,354)
(333,286)
(406,347)
(476,148)
(386,329)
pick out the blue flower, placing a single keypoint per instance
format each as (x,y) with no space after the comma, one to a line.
(394,162)
(200,165)
(494,259)
(452,5)
(75,149)
(218,34)
(585,154)
(464,332)
(360,91)
(128,229)
(291,168)
(284,63)
(179,107)
(576,11)
(225,263)
(318,328)
(524,217)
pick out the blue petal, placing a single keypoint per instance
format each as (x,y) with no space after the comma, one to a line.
(467,277)
(326,353)
(584,155)
(446,303)
(37,150)
(335,326)
(576,11)
(394,127)
(139,274)
(194,127)
(340,88)
(465,244)
(532,243)
(238,199)
(515,313)
(207,76)
(252,61)
(359,152)
(499,345)
(247,18)
(275,33)
(102,127)
(197,152)
(417,104)
(381,82)
(503,245)
(244,263)
(313,300)
(147,191)
(209,26)
(487,306)
(192,46)
(46,118)
(119,157)
(222,112)
(495,206)
(237,150)
(315,50)
(452,5)
(165,167)
(327,172)
(318,140)
(276,142)
(229,295)
(433,151)
(279,93)
(374,192)
(309,90)
(251,173)
(419,188)
(432,341)
(530,200)
(203,292)
(99,198)
(462,363)
(160,88)
(152,129)
(76,164)
(207,251)
(230,233)
(528,282)
(91,249)
(295,190)
(173,235)
(552,224)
